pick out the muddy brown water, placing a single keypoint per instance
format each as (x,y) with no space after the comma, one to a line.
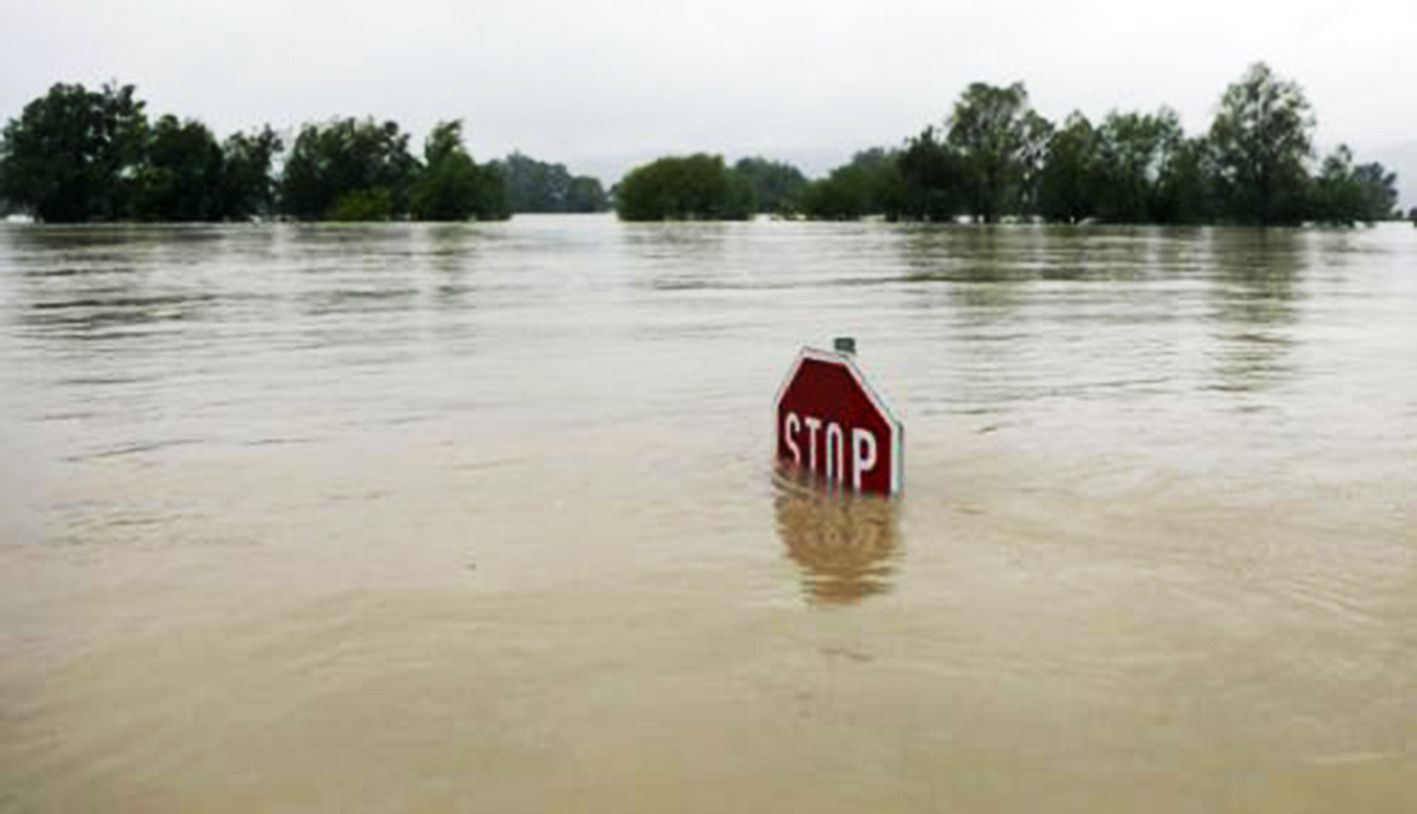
(482,517)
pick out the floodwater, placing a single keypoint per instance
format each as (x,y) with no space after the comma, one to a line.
(482,517)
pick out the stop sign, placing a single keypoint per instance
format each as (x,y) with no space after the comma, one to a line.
(832,424)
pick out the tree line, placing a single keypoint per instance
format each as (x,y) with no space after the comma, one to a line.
(995,157)
(76,155)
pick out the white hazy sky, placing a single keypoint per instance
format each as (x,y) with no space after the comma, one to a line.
(603,85)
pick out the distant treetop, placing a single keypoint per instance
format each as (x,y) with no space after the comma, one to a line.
(694,187)
(76,155)
(537,186)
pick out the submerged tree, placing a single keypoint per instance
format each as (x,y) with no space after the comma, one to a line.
(185,175)
(1134,151)
(933,180)
(869,185)
(1379,191)
(1068,184)
(1345,195)
(348,169)
(451,186)
(695,187)
(1335,199)
(247,188)
(1134,168)
(538,186)
(78,155)
(1184,189)
(73,153)
(775,184)
(1261,139)
(181,177)
(1001,142)
(585,194)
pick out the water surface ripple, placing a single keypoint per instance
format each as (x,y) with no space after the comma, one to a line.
(481,517)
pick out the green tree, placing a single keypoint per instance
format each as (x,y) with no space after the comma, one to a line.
(1336,199)
(451,186)
(585,194)
(932,180)
(181,177)
(695,187)
(870,184)
(1134,150)
(534,186)
(1261,138)
(348,168)
(1345,195)
(73,153)
(537,186)
(1036,133)
(775,184)
(1001,141)
(1068,186)
(1183,192)
(247,187)
(1379,194)
(368,203)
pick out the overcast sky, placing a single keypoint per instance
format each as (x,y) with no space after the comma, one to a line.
(603,85)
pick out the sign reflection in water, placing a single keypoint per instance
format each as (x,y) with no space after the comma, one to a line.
(846,545)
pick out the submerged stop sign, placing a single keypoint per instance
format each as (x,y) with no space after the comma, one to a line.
(832,424)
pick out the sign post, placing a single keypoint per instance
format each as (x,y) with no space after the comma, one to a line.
(833,425)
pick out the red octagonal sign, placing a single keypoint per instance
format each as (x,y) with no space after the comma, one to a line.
(832,424)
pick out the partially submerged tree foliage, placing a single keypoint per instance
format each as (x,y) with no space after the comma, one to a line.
(775,185)
(695,187)
(1183,192)
(537,186)
(996,157)
(248,186)
(182,178)
(1068,185)
(356,169)
(870,185)
(1134,150)
(450,185)
(931,180)
(1344,195)
(1261,139)
(78,155)
(81,155)
(74,153)
(348,169)
(186,176)
(1000,141)
(986,163)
